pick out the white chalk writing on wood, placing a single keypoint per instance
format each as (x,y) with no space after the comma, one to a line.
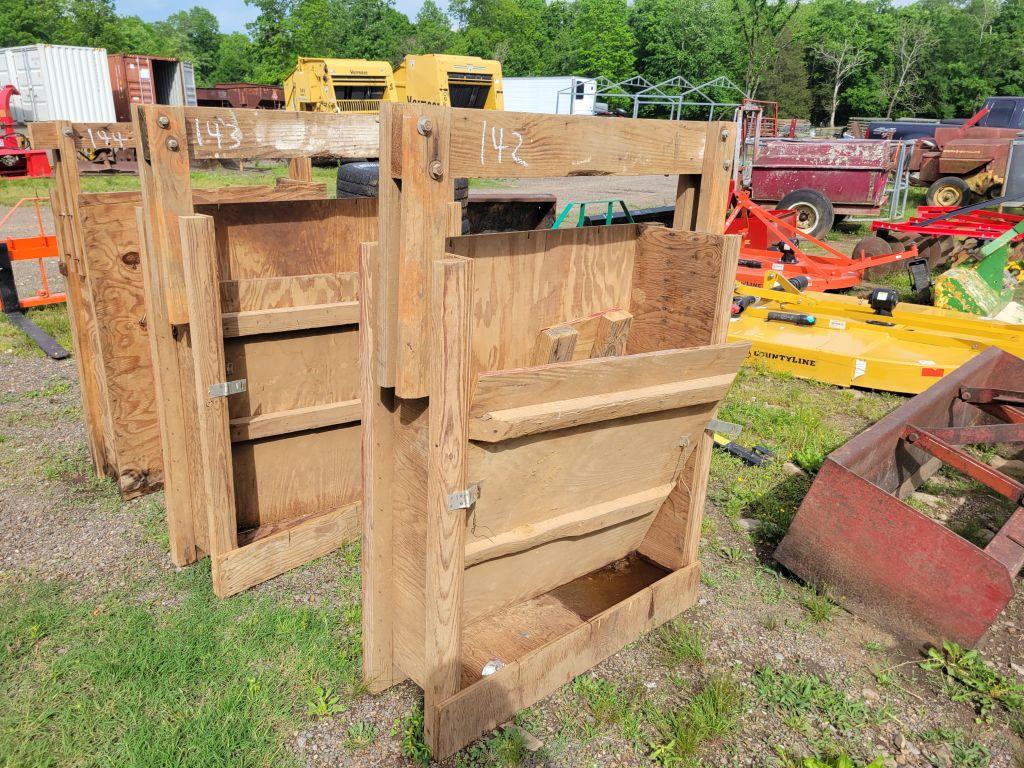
(497,144)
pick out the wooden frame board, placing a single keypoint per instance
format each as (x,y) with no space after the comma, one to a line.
(268,477)
(542,514)
(101,258)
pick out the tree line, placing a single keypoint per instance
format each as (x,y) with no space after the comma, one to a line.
(824,60)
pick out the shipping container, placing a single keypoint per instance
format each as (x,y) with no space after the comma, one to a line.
(551,95)
(149,80)
(58,82)
(241,96)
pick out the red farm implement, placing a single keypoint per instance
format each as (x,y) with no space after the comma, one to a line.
(772,242)
(16,160)
(856,536)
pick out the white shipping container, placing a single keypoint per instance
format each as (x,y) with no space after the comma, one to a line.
(58,82)
(550,95)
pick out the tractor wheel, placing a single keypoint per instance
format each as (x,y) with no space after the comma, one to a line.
(949,191)
(870,246)
(814,213)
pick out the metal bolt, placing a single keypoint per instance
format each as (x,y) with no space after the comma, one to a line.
(68,132)
(163,121)
(436,170)
(912,437)
(424,126)
(965,395)
(172,144)
(724,136)
(726,164)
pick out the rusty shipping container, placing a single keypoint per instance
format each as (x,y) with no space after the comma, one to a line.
(241,96)
(149,80)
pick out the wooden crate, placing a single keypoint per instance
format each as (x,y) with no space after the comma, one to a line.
(535,404)
(266,292)
(100,257)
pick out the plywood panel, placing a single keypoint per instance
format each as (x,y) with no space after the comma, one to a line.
(305,473)
(113,260)
(284,371)
(292,238)
(525,282)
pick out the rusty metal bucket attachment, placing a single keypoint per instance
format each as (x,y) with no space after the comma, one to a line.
(855,536)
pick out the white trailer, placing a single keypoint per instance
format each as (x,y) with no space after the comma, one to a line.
(58,82)
(550,95)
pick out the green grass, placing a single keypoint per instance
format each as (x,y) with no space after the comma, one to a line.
(711,713)
(818,605)
(797,697)
(409,730)
(682,642)
(12,190)
(360,735)
(801,422)
(503,749)
(53,319)
(965,676)
(963,751)
(187,681)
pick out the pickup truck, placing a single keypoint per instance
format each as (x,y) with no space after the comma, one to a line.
(1003,112)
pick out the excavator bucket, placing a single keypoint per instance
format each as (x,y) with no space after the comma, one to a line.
(855,536)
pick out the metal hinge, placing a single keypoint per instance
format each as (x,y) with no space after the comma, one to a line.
(464,499)
(724,428)
(225,388)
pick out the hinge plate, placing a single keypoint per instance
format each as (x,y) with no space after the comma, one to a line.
(724,427)
(226,388)
(464,499)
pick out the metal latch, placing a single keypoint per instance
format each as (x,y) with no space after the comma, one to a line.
(464,499)
(724,428)
(225,388)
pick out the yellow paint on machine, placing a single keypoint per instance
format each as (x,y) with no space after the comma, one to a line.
(851,344)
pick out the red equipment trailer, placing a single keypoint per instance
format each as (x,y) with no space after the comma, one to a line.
(855,536)
(16,160)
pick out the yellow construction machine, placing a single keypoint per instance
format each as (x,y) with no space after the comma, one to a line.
(339,85)
(452,81)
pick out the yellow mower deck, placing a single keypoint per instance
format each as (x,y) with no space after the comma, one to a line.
(852,344)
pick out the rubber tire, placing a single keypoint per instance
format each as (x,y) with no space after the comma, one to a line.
(361,180)
(954,182)
(820,205)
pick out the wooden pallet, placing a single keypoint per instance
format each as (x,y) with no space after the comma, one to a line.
(535,461)
(267,478)
(100,258)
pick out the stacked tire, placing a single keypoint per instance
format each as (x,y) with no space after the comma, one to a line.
(361,180)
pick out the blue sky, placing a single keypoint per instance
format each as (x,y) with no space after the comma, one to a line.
(232,14)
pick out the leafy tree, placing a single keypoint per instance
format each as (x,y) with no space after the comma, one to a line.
(603,40)
(760,23)
(433,32)
(195,35)
(233,59)
(785,79)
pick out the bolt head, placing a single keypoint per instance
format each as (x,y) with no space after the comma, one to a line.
(163,121)
(724,136)
(436,170)
(424,126)
(726,164)
(68,132)
(172,144)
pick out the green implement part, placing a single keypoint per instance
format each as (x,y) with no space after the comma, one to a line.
(984,287)
(582,219)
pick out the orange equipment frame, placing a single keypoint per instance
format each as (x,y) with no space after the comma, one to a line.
(34,248)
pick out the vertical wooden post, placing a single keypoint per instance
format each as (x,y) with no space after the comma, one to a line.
(377,437)
(202,287)
(427,188)
(448,440)
(713,198)
(300,169)
(166,194)
(88,360)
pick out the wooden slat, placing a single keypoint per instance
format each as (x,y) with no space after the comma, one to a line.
(586,378)
(612,332)
(290,546)
(451,287)
(576,523)
(249,193)
(89,136)
(256,133)
(555,345)
(496,426)
(301,168)
(199,252)
(388,251)
(291,291)
(295,420)
(379,670)
(488,144)
(716,174)
(494,699)
(290,319)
